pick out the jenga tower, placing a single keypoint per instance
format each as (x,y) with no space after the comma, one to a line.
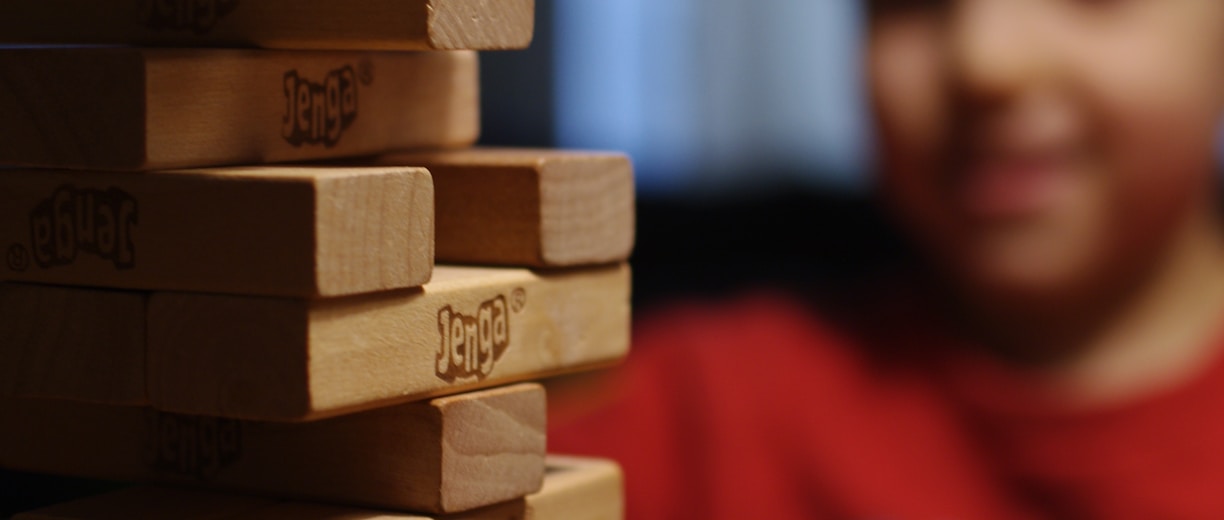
(187,300)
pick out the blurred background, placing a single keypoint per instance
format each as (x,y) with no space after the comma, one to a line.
(702,91)
(746,121)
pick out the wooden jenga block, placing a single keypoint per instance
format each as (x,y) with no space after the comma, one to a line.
(152,503)
(72,343)
(283,24)
(287,359)
(299,231)
(579,488)
(574,489)
(148,109)
(535,208)
(446,455)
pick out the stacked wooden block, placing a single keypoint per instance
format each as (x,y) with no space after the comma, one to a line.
(177,310)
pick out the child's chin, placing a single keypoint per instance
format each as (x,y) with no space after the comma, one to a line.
(1023,280)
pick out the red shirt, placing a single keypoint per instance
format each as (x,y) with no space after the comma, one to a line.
(760,409)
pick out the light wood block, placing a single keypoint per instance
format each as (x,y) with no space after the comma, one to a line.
(446,455)
(287,360)
(579,488)
(72,343)
(281,24)
(574,489)
(301,231)
(150,109)
(535,208)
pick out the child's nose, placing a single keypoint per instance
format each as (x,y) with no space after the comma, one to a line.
(995,47)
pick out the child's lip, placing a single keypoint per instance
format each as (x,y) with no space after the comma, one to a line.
(1008,186)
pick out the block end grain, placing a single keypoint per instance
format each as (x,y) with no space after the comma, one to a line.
(481,24)
(586,209)
(580,488)
(492,447)
(375,232)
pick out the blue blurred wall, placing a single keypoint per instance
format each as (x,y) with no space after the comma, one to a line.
(714,95)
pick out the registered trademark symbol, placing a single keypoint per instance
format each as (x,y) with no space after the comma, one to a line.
(18,258)
(518,300)
(365,72)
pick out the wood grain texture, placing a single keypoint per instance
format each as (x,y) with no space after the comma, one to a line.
(526,207)
(288,360)
(446,455)
(302,231)
(72,343)
(579,488)
(574,489)
(277,24)
(150,109)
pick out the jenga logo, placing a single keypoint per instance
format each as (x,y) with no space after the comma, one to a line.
(319,113)
(472,344)
(190,446)
(197,16)
(89,221)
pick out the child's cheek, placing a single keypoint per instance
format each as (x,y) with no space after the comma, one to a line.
(906,77)
(1154,95)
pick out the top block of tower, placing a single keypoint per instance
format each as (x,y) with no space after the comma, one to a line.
(274,24)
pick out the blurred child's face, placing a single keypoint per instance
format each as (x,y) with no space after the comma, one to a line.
(1040,148)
